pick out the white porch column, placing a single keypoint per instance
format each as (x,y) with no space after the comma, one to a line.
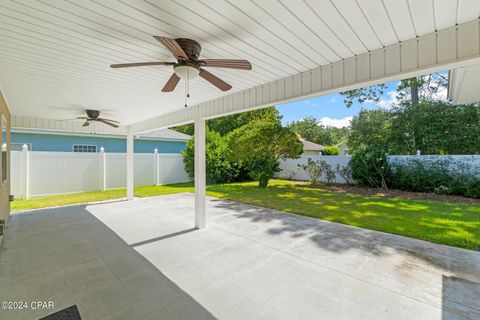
(200,173)
(130,163)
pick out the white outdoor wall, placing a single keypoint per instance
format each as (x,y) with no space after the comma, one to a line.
(67,172)
(291,171)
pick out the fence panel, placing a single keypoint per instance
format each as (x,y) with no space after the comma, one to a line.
(16,174)
(144,170)
(290,170)
(171,169)
(116,170)
(63,172)
(49,173)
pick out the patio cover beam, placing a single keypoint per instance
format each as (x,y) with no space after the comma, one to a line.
(445,49)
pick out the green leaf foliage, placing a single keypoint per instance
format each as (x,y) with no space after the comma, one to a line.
(218,168)
(330,151)
(311,130)
(370,167)
(259,145)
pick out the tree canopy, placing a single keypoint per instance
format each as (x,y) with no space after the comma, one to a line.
(311,130)
(259,145)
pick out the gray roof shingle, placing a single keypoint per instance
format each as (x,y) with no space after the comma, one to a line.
(166,134)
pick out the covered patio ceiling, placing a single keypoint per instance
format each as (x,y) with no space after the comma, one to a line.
(55,55)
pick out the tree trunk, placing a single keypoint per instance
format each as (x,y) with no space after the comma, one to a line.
(414,93)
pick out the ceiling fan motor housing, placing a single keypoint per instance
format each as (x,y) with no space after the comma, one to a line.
(191,47)
(93,113)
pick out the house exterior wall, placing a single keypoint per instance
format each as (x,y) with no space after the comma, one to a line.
(5,186)
(64,143)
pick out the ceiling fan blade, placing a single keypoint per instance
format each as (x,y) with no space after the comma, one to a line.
(86,124)
(173,46)
(216,81)
(109,120)
(141,64)
(81,118)
(226,63)
(107,123)
(171,83)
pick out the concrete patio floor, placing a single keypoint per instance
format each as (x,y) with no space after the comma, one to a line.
(142,260)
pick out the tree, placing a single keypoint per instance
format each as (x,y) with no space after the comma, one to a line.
(372,94)
(412,90)
(370,128)
(311,130)
(435,128)
(259,145)
(218,168)
(226,124)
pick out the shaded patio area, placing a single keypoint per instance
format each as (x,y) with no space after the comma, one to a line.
(143,260)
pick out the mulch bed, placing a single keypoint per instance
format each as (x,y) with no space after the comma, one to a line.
(363,191)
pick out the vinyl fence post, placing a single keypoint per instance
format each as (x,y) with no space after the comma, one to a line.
(155,165)
(103,169)
(25,172)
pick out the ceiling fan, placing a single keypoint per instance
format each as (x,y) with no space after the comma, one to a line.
(188,65)
(93,115)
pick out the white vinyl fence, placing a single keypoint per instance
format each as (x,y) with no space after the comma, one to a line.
(290,170)
(36,173)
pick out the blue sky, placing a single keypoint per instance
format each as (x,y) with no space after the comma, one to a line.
(331,108)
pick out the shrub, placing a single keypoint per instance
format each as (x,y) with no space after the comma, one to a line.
(316,169)
(218,168)
(259,145)
(436,175)
(330,151)
(345,172)
(313,170)
(370,167)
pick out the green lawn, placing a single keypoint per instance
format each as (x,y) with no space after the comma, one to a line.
(451,223)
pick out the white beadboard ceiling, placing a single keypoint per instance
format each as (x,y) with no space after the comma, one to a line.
(55,54)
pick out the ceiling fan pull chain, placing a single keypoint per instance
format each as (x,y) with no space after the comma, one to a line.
(186,90)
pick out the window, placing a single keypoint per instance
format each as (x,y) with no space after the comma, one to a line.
(17,146)
(84,148)
(4,148)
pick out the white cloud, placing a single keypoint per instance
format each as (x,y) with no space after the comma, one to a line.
(338,123)
(390,101)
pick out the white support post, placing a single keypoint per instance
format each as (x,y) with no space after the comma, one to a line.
(155,166)
(130,165)
(25,172)
(103,169)
(200,174)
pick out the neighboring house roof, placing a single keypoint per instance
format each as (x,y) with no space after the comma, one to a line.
(311,146)
(165,134)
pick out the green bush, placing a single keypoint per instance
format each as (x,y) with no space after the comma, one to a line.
(330,151)
(218,168)
(318,169)
(370,167)
(259,145)
(435,175)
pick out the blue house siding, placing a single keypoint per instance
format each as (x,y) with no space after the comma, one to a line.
(64,143)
